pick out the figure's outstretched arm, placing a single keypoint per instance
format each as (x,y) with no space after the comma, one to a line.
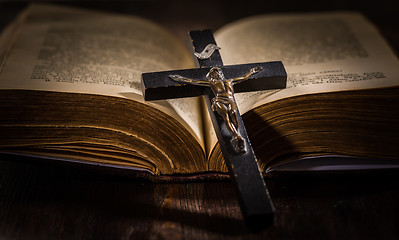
(179,78)
(247,75)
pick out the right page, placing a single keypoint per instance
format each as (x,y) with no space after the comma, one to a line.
(322,52)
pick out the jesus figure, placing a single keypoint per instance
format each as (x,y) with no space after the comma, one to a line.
(223,102)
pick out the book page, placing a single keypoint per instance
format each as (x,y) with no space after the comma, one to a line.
(334,163)
(322,52)
(7,37)
(80,51)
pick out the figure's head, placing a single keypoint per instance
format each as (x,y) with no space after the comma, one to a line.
(215,73)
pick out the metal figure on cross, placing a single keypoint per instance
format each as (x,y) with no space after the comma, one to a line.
(223,102)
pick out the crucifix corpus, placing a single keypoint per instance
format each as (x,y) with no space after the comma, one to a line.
(215,82)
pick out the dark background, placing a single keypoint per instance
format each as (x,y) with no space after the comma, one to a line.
(180,15)
(40,200)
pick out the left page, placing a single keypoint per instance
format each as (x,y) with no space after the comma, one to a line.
(71,50)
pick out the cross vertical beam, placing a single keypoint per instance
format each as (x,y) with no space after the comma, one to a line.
(244,171)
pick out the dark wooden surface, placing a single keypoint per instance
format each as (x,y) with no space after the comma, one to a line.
(46,201)
(52,202)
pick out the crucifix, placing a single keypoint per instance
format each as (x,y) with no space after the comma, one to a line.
(215,82)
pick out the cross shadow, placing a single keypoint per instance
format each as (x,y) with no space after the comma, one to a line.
(107,201)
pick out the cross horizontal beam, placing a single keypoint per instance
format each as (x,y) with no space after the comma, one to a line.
(158,85)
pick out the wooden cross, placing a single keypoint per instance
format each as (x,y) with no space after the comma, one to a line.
(239,156)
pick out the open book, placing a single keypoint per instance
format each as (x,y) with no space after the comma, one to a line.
(70,90)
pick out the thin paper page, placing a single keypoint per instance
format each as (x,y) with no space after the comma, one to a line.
(71,50)
(321,52)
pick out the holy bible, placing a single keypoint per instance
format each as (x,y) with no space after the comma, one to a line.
(70,91)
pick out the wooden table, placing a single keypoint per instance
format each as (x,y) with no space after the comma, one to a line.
(43,201)
(47,201)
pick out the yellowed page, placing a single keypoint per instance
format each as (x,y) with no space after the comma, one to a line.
(72,50)
(322,52)
(7,37)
